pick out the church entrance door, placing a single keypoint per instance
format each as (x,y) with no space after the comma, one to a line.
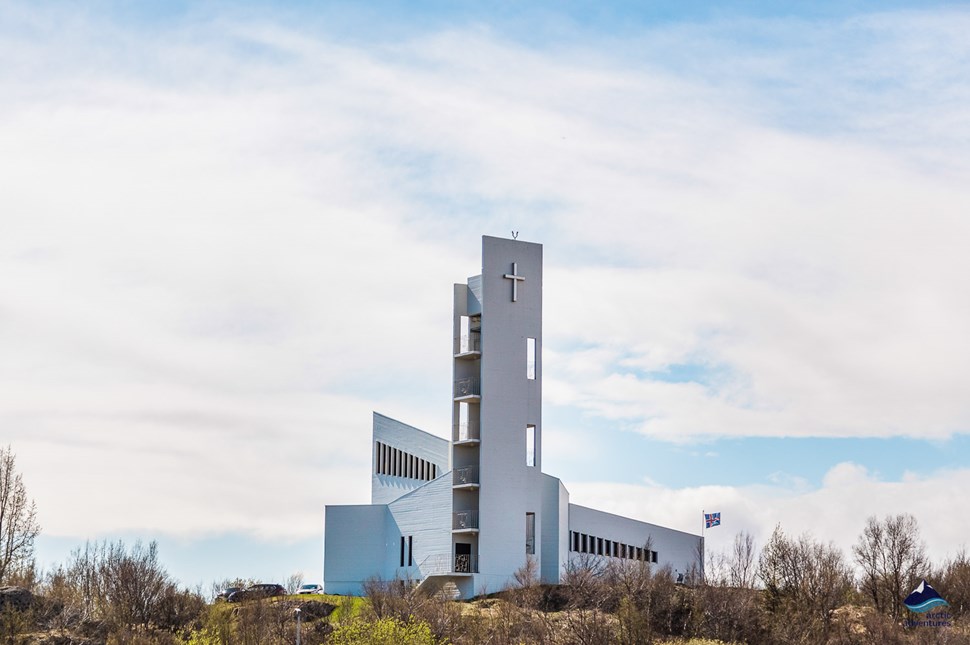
(463,557)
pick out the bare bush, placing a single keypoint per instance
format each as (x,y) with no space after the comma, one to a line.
(119,588)
(134,583)
(585,621)
(725,606)
(401,600)
(893,559)
(728,614)
(804,582)
(952,580)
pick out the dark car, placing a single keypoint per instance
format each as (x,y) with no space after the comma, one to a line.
(228,591)
(257,591)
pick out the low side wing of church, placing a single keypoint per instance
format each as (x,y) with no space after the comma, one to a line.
(463,515)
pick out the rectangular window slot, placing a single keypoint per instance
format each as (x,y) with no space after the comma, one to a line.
(530,445)
(530,533)
(530,358)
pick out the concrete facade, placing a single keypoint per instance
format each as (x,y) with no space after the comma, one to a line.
(469,512)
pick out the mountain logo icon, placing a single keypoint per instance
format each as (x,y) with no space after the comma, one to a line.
(924,598)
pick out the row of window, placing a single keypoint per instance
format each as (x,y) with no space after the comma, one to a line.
(388,460)
(583,543)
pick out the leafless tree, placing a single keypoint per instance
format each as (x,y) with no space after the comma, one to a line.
(527,576)
(743,563)
(18,520)
(716,569)
(581,578)
(293,583)
(892,557)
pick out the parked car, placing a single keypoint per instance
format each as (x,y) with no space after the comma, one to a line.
(312,588)
(228,591)
(253,592)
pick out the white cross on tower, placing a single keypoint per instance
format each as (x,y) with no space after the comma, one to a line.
(516,279)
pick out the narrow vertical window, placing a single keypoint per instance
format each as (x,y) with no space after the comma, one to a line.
(530,445)
(464,335)
(410,550)
(402,550)
(463,421)
(530,358)
(530,533)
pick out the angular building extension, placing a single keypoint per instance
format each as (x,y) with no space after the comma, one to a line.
(463,515)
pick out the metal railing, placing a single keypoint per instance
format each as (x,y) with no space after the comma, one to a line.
(466,563)
(464,520)
(467,343)
(469,386)
(440,564)
(465,475)
(465,432)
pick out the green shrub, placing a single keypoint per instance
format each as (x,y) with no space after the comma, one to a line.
(384,631)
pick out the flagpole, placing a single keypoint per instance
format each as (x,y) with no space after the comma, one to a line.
(703,546)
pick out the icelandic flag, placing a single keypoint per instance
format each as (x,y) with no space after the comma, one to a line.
(712,519)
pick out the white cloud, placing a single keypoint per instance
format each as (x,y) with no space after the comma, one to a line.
(836,511)
(229,241)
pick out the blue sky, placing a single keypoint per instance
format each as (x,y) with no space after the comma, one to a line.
(234,228)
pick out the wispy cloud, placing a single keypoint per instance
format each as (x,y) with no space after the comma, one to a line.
(225,241)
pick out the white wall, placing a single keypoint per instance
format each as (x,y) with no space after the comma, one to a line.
(355,547)
(425,515)
(555,529)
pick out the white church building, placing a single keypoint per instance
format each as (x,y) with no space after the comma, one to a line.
(466,513)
